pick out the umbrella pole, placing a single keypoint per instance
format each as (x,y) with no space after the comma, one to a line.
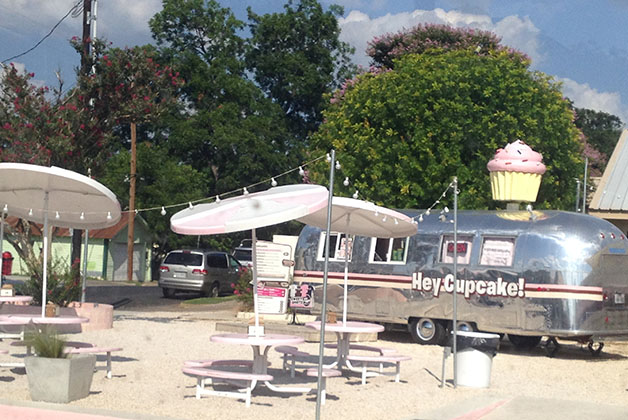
(455,308)
(344,298)
(255,300)
(84,285)
(1,243)
(46,237)
(321,348)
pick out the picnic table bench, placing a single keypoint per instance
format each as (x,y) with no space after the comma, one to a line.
(203,371)
(77,347)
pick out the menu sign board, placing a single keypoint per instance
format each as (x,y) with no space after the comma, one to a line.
(273,261)
(272,300)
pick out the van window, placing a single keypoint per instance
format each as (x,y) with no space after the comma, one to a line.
(184,258)
(497,251)
(337,243)
(388,250)
(216,261)
(464,249)
(233,263)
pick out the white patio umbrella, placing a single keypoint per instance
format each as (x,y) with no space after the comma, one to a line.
(52,195)
(363,218)
(251,211)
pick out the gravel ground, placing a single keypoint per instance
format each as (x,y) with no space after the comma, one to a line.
(148,379)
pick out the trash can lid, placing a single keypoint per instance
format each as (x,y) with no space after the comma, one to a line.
(485,342)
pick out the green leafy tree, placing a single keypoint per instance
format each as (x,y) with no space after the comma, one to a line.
(402,134)
(601,132)
(296,57)
(229,131)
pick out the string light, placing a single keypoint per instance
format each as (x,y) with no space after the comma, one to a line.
(273,183)
(57,215)
(190,206)
(355,194)
(30,212)
(245,191)
(444,211)
(338,165)
(346,182)
(328,157)
(217,199)
(136,211)
(301,171)
(384,219)
(109,215)
(82,216)
(396,222)
(163,211)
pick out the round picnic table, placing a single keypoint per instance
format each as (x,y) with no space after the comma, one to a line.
(15,299)
(343,334)
(261,344)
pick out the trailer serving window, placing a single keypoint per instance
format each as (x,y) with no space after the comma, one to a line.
(497,251)
(463,248)
(388,250)
(336,246)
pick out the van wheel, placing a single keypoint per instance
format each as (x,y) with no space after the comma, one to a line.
(167,292)
(426,330)
(214,291)
(524,342)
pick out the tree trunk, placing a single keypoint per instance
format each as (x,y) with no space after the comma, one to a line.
(75,257)
(131,227)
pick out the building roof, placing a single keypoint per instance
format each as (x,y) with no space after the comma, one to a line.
(610,200)
(106,233)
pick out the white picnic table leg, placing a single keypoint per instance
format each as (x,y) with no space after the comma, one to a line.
(109,365)
(260,360)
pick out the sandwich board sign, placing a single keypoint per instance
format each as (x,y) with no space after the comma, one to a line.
(273,275)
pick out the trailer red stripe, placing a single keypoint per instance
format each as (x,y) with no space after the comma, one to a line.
(318,275)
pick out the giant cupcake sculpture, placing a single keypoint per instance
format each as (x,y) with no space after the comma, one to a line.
(516,173)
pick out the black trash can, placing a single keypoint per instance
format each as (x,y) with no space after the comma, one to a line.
(475,352)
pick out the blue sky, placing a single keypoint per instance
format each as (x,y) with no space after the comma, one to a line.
(582,43)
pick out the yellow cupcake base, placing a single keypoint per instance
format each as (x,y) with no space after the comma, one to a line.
(515,186)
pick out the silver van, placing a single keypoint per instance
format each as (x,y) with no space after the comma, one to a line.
(209,272)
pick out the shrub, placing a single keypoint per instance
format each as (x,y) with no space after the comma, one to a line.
(244,288)
(46,343)
(62,286)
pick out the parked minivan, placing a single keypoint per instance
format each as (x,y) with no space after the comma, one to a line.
(209,272)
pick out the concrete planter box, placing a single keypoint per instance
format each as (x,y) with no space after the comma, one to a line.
(59,380)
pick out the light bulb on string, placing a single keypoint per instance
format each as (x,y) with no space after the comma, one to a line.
(217,199)
(427,212)
(82,217)
(301,171)
(384,219)
(420,218)
(109,215)
(396,222)
(328,157)
(136,211)
(446,209)
(245,191)
(273,183)
(163,211)
(376,213)
(30,212)
(338,165)
(190,206)
(57,215)
(355,194)
(346,182)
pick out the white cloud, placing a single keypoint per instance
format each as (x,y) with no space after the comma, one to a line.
(358,28)
(584,96)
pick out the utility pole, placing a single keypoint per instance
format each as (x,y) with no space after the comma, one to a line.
(131,225)
(85,51)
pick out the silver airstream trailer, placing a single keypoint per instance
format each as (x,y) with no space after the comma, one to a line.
(527,274)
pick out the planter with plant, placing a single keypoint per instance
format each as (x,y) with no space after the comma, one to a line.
(53,376)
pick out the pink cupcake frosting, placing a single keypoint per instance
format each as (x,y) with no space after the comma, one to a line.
(517,157)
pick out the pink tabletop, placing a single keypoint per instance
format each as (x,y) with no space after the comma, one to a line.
(9,299)
(349,327)
(263,340)
(37,319)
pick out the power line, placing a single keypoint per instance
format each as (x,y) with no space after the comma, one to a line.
(78,3)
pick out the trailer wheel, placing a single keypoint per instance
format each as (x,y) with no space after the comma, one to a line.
(595,349)
(426,330)
(524,342)
(466,326)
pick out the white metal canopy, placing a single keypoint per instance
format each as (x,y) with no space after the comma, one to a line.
(57,196)
(363,218)
(251,211)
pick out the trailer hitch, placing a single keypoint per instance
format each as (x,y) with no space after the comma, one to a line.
(595,348)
